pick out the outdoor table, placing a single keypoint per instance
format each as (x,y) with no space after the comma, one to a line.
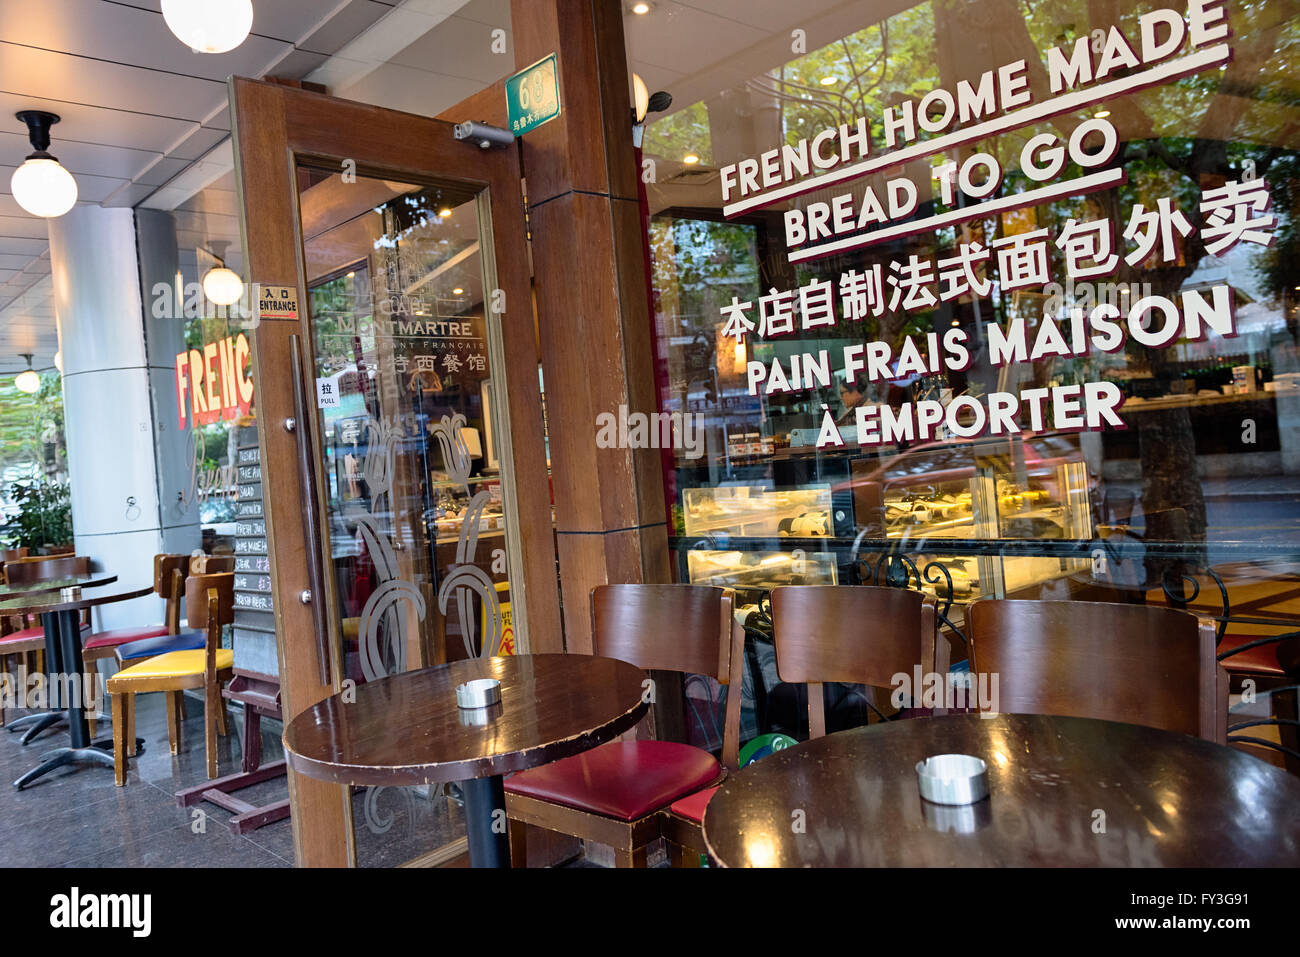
(93,580)
(407,729)
(1064,792)
(60,620)
(36,723)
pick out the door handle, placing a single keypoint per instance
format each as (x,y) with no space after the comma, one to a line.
(310,507)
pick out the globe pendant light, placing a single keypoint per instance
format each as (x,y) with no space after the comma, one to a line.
(28,381)
(209,26)
(222,285)
(41,186)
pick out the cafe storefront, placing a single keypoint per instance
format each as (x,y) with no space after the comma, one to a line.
(962,299)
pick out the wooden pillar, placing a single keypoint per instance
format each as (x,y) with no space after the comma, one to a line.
(593,321)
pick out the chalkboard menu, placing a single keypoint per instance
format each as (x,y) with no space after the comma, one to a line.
(254,613)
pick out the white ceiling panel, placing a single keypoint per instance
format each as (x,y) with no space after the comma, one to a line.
(198,143)
(91,124)
(112,32)
(92,159)
(25,71)
(29,227)
(21,247)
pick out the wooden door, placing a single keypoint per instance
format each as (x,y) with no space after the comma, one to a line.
(403,463)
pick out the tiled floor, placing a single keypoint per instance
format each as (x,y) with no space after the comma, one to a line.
(76,817)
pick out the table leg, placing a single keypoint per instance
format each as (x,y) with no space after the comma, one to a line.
(36,723)
(485,822)
(63,652)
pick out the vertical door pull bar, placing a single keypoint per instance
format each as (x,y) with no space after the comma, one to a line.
(310,508)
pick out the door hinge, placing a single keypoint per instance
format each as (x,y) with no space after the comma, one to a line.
(523,195)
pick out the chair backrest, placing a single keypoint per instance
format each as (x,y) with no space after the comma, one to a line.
(196,598)
(169,585)
(858,634)
(686,628)
(46,568)
(209,564)
(1133,663)
(9,554)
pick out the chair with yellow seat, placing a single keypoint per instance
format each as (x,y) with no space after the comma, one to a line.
(209,601)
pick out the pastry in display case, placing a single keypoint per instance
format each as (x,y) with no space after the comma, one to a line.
(760,570)
(757,512)
(751,511)
(1035,487)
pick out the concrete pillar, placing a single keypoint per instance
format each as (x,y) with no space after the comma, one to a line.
(126,458)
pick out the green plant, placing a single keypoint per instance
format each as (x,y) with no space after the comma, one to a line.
(44,517)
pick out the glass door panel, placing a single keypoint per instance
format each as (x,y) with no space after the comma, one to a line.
(416,528)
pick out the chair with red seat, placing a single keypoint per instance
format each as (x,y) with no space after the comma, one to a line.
(856,634)
(168,582)
(28,640)
(614,794)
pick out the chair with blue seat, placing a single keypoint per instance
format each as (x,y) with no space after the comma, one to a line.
(168,584)
(210,602)
(613,794)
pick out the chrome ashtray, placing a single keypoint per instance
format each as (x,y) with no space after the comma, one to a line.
(479,693)
(953,779)
(71,593)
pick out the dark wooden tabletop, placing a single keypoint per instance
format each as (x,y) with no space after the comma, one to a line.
(93,580)
(407,729)
(44,602)
(1164,800)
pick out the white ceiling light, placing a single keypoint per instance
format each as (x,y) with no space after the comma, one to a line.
(41,186)
(58,361)
(209,26)
(28,381)
(223,286)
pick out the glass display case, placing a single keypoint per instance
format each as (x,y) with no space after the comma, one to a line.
(1032,488)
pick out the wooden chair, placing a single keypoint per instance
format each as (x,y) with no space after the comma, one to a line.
(615,794)
(211,564)
(813,627)
(27,640)
(1133,663)
(210,601)
(856,634)
(168,583)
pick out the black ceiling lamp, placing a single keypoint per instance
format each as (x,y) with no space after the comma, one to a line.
(41,185)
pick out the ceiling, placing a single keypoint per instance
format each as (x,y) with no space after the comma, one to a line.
(145,120)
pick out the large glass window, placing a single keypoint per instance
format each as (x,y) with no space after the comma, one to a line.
(856,211)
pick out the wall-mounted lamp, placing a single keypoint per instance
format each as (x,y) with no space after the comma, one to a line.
(58,361)
(644,103)
(42,186)
(209,26)
(221,284)
(28,381)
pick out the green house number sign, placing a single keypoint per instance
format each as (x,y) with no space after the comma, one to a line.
(533,95)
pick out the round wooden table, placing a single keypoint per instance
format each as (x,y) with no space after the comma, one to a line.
(63,661)
(1063,792)
(93,580)
(407,729)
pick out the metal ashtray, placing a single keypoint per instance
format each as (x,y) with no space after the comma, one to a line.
(479,693)
(953,779)
(71,593)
